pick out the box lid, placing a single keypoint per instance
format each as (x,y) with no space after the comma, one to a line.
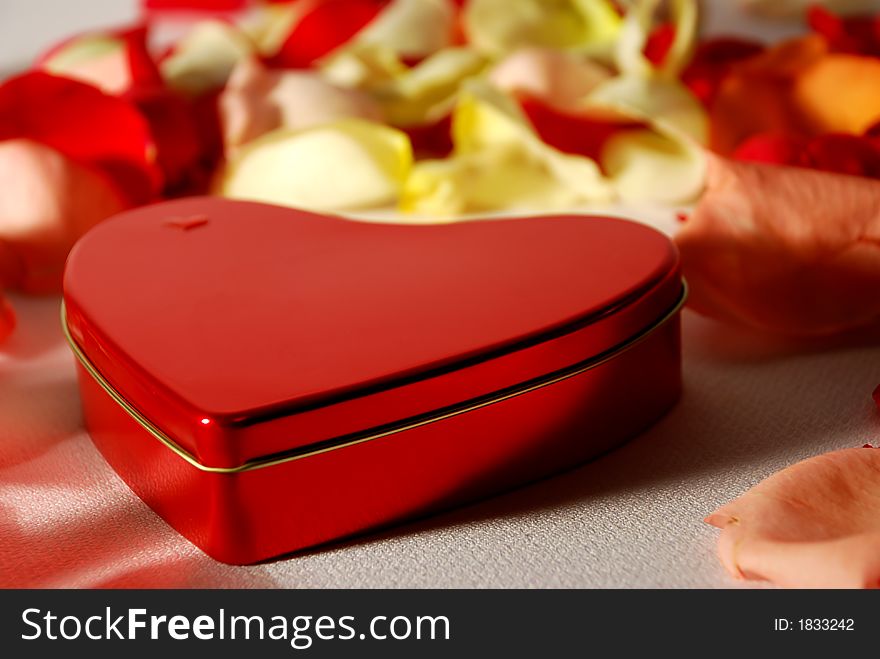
(244,330)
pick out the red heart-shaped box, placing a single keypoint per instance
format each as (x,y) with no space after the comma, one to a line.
(268,379)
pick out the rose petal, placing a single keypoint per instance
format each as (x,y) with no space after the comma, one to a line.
(773,148)
(797,8)
(49,201)
(839,93)
(575,131)
(844,154)
(257,101)
(359,67)
(324,27)
(197,5)
(115,62)
(647,166)
(499,162)
(713,61)
(498,27)
(665,105)
(557,79)
(302,168)
(412,29)
(813,525)
(427,92)
(432,140)
(756,96)
(181,150)
(785,250)
(99,60)
(638,25)
(663,162)
(7,318)
(204,59)
(577,107)
(858,35)
(99,131)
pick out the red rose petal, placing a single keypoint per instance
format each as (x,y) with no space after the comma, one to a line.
(431,140)
(85,125)
(712,62)
(844,154)
(876,395)
(772,148)
(659,43)
(327,26)
(7,319)
(197,5)
(173,127)
(144,71)
(571,133)
(858,35)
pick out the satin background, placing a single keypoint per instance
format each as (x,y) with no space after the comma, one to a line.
(633,518)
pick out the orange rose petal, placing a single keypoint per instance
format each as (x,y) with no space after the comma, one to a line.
(839,93)
(786,250)
(756,95)
(48,202)
(815,524)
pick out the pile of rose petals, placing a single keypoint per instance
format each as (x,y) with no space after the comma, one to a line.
(786,237)
(436,107)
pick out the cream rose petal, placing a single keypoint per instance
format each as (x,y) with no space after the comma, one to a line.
(427,92)
(647,166)
(347,165)
(412,28)
(665,163)
(204,59)
(99,60)
(498,27)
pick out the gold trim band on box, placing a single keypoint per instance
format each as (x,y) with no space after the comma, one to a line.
(367,436)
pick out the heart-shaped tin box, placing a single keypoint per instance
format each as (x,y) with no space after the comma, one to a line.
(268,379)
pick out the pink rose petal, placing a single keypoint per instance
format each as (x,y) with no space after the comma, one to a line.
(48,202)
(785,250)
(815,524)
(257,100)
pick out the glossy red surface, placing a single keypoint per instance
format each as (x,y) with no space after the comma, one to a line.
(247,517)
(243,330)
(284,328)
